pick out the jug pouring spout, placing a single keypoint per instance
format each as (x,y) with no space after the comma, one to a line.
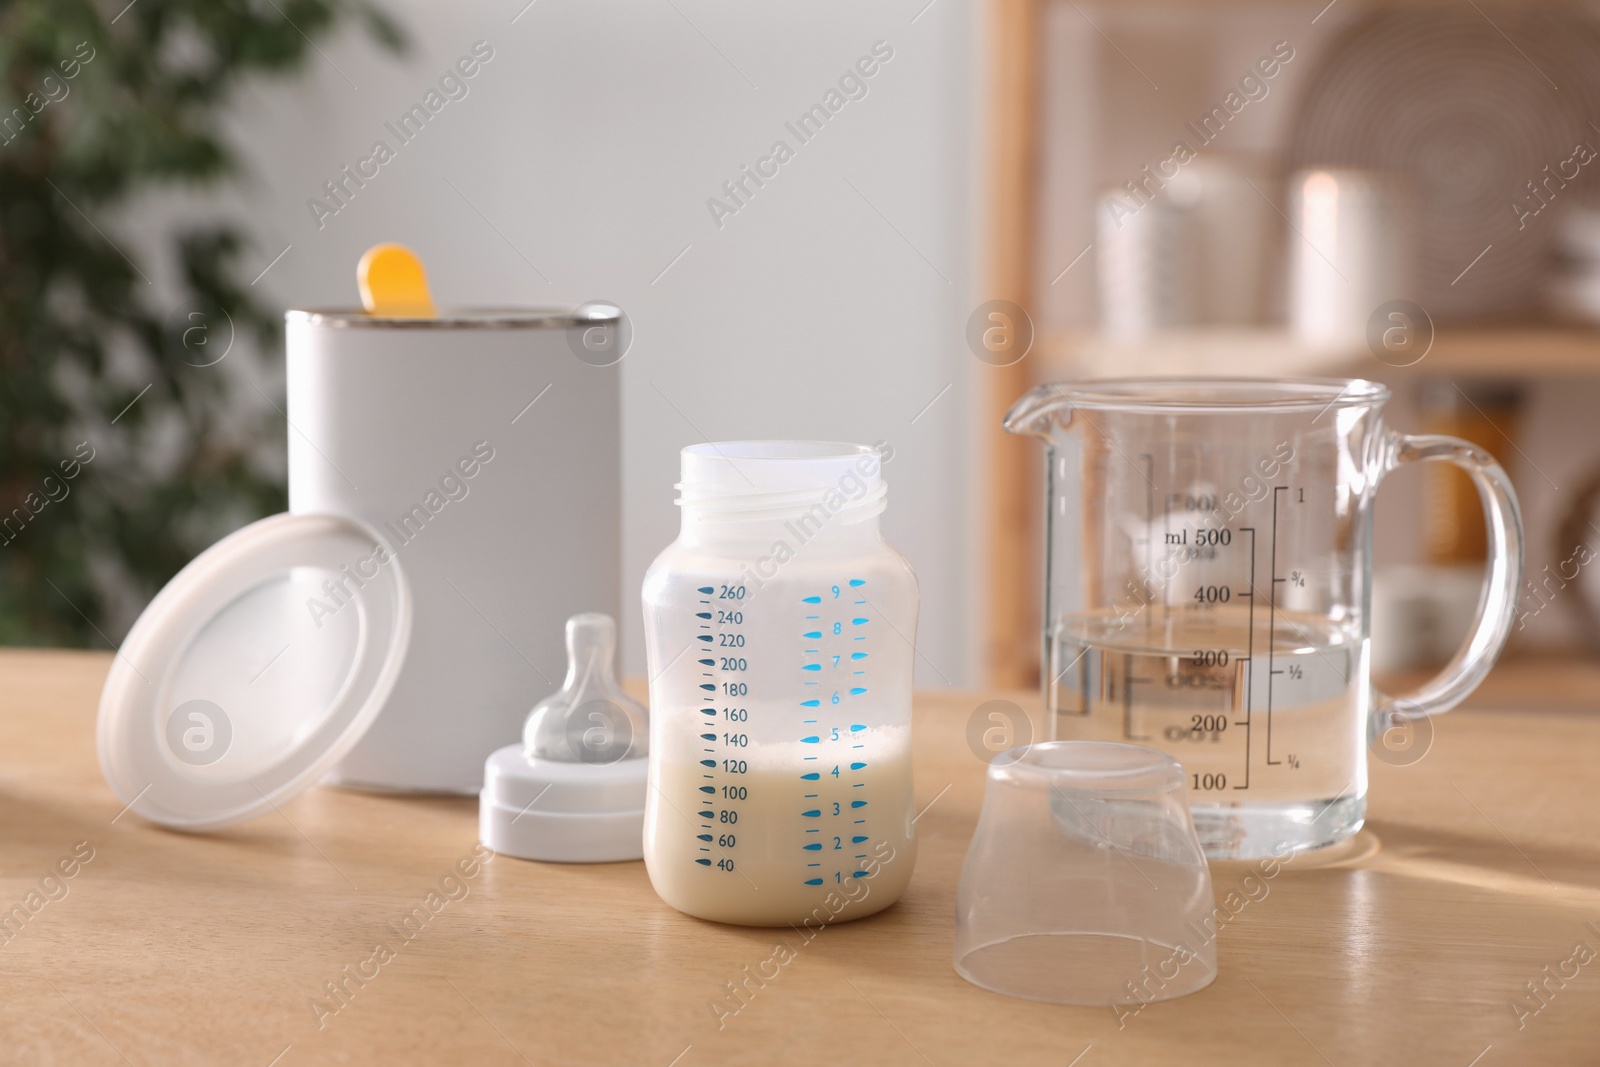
(1038,411)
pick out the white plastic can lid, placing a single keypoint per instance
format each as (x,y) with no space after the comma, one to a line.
(257,667)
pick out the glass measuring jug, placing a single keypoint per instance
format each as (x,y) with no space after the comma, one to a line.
(1207,592)
(778,633)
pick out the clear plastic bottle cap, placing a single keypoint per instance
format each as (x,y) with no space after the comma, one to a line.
(1085,882)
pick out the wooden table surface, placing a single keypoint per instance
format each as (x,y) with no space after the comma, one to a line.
(1478,873)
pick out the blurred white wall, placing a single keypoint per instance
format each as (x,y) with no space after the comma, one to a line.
(579,166)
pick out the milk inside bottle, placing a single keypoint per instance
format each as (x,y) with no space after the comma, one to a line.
(779,629)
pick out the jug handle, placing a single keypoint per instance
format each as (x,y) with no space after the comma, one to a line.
(1498,602)
(1032,411)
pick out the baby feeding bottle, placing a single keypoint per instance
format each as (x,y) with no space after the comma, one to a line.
(779,631)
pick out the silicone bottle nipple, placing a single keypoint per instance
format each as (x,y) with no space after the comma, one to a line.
(574,790)
(590,720)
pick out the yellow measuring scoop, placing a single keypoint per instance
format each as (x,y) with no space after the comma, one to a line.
(393,283)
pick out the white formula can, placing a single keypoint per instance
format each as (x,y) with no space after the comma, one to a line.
(484,449)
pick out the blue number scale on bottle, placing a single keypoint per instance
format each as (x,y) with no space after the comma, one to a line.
(838,632)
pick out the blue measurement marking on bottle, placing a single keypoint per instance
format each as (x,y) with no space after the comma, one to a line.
(708,687)
(721,615)
(814,633)
(837,624)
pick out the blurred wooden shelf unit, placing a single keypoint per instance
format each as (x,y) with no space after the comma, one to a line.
(1490,352)
(1012,613)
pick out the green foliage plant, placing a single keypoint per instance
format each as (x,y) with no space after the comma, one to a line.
(121,452)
